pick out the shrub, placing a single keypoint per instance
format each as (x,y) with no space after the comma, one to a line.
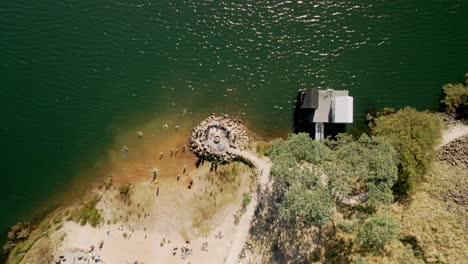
(346,226)
(414,135)
(246,198)
(455,100)
(377,231)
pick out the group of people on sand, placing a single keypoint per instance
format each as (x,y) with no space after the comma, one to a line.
(155,172)
(173,152)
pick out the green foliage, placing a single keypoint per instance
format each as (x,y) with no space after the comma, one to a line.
(455,99)
(88,212)
(246,199)
(346,226)
(360,260)
(368,165)
(377,231)
(341,139)
(414,135)
(288,156)
(300,147)
(295,163)
(310,207)
(124,189)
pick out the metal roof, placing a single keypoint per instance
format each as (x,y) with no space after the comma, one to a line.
(323,101)
(310,99)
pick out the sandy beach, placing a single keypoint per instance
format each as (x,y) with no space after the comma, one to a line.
(150,228)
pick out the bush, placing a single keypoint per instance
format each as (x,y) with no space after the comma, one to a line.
(455,100)
(377,231)
(346,226)
(414,135)
(246,198)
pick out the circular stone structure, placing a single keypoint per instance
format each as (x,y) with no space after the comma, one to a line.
(215,136)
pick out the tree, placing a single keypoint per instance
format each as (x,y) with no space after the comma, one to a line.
(298,148)
(307,206)
(377,231)
(455,99)
(295,167)
(366,166)
(294,159)
(414,135)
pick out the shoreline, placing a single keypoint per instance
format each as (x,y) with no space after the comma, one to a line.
(135,168)
(172,213)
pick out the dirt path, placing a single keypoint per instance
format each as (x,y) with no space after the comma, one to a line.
(263,167)
(453,133)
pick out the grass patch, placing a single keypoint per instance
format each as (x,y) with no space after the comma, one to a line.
(246,199)
(223,188)
(107,183)
(433,226)
(438,222)
(38,247)
(124,189)
(346,226)
(263,148)
(88,213)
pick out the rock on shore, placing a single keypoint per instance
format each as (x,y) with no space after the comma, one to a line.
(215,136)
(456,152)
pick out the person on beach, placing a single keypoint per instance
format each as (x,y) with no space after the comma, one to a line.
(161,155)
(176,152)
(155,174)
(183,148)
(190,184)
(178,177)
(157,191)
(185,169)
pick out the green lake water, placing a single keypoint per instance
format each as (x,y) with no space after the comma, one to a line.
(74,74)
